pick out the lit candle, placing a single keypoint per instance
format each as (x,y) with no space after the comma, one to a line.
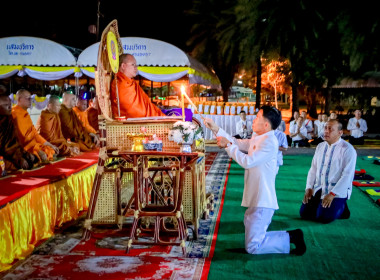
(192,104)
(183,102)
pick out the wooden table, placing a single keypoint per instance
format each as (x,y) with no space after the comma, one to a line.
(158,182)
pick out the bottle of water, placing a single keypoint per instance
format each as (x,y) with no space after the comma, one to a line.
(292,144)
(297,145)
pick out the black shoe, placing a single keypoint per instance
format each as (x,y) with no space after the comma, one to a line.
(296,237)
(346,213)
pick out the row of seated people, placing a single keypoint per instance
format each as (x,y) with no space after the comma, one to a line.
(303,131)
(62,130)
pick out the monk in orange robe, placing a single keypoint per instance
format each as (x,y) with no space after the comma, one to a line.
(72,127)
(49,127)
(134,103)
(80,110)
(93,113)
(27,134)
(14,155)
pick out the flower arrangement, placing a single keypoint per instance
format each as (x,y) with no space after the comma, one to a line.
(185,132)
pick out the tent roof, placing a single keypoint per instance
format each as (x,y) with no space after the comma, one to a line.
(148,52)
(32,51)
(156,60)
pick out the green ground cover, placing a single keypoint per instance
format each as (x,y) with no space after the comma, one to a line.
(344,249)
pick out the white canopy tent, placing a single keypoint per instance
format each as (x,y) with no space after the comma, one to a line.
(38,58)
(157,61)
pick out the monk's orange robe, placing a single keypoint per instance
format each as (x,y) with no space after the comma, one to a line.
(49,126)
(92,116)
(73,129)
(82,116)
(134,103)
(27,134)
(10,147)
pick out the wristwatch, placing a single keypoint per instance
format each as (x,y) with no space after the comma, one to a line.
(229,144)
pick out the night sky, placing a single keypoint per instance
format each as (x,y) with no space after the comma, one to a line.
(67,22)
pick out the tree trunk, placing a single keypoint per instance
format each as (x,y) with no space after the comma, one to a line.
(328,99)
(313,104)
(295,102)
(226,88)
(258,83)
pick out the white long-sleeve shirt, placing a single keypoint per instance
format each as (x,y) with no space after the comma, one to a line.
(282,126)
(240,128)
(316,125)
(309,127)
(321,129)
(332,169)
(282,142)
(355,131)
(258,156)
(293,127)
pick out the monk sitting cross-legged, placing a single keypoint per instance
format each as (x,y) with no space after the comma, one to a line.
(27,134)
(14,154)
(134,103)
(80,110)
(72,127)
(49,127)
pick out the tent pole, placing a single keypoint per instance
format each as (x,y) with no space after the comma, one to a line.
(151,90)
(76,86)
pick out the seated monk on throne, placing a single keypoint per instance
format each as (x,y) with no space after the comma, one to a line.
(134,103)
(49,127)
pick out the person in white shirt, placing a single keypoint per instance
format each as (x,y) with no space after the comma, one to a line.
(357,126)
(321,130)
(298,133)
(243,127)
(329,181)
(282,146)
(316,123)
(308,124)
(333,116)
(258,156)
(296,115)
(282,126)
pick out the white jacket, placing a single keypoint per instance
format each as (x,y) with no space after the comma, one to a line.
(258,156)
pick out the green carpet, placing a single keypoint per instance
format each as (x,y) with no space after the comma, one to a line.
(344,249)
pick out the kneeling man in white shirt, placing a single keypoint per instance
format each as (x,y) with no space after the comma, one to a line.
(329,181)
(258,156)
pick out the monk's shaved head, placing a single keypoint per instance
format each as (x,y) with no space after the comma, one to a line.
(68,99)
(128,65)
(125,57)
(54,105)
(82,104)
(5,105)
(23,98)
(22,93)
(53,99)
